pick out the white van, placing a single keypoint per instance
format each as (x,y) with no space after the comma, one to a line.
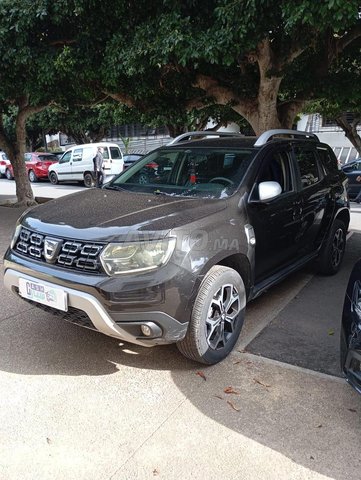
(76,164)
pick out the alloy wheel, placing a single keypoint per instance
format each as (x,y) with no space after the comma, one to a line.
(222,316)
(338,247)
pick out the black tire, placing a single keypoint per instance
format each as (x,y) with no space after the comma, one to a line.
(88,180)
(212,333)
(32,176)
(8,174)
(53,177)
(333,249)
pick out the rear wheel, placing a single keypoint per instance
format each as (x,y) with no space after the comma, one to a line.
(217,317)
(8,174)
(333,250)
(143,179)
(53,178)
(32,176)
(88,180)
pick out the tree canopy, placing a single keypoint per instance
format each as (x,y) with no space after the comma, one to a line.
(168,59)
(263,58)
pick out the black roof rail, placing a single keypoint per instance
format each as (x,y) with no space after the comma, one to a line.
(204,133)
(270,134)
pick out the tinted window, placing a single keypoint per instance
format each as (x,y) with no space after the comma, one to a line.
(277,169)
(308,166)
(328,160)
(114,152)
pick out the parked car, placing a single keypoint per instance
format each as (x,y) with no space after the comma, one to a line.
(351,329)
(130,158)
(76,164)
(4,161)
(353,172)
(37,166)
(176,259)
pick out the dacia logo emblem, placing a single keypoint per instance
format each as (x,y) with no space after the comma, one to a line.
(52,248)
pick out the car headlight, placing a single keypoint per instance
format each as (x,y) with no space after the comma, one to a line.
(15,235)
(119,258)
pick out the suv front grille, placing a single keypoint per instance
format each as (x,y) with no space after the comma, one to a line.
(66,253)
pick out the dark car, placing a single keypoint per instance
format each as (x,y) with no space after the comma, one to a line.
(351,330)
(37,165)
(353,172)
(131,158)
(175,259)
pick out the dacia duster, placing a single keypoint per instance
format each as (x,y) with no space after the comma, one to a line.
(173,248)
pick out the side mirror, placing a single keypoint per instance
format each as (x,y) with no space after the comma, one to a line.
(269,190)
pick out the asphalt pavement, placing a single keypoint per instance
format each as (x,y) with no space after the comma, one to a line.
(75,404)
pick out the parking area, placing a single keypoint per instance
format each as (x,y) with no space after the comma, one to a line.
(41,189)
(76,405)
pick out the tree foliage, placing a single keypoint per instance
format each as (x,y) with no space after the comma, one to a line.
(168,60)
(263,58)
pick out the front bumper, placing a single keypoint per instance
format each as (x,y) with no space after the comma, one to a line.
(86,310)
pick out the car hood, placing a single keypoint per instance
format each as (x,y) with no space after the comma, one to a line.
(102,215)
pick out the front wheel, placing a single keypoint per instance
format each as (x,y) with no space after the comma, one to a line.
(53,178)
(8,174)
(333,249)
(217,317)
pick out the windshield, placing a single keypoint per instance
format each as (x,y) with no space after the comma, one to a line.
(201,172)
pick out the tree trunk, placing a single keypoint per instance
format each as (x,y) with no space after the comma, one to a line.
(350,130)
(24,191)
(262,112)
(17,149)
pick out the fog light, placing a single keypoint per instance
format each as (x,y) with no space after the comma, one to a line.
(146,330)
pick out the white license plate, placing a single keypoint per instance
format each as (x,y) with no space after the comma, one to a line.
(45,294)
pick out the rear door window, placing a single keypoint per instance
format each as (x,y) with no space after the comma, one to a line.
(309,170)
(328,160)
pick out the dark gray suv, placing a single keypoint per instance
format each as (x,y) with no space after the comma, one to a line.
(175,255)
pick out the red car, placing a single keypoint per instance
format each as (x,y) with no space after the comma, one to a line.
(37,165)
